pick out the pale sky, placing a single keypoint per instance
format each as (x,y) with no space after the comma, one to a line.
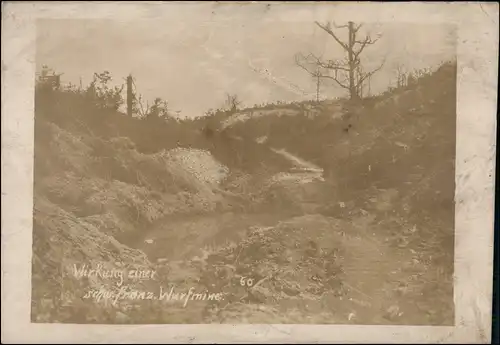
(193,60)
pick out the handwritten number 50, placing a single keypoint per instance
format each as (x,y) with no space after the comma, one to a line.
(246,282)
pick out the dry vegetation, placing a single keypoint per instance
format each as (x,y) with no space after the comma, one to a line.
(372,243)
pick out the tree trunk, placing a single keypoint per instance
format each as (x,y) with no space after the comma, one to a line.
(369,86)
(130,96)
(317,88)
(353,92)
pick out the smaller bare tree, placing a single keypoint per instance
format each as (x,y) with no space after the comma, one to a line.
(401,75)
(314,67)
(232,102)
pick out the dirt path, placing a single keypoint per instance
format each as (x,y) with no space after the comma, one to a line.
(299,162)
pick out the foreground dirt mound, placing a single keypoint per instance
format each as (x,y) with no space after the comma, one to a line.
(282,266)
(61,241)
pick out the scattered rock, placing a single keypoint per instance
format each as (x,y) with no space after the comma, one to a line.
(392,313)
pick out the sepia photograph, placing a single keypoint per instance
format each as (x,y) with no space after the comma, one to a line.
(245,164)
(234,176)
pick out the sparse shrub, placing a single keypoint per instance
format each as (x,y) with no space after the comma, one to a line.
(102,95)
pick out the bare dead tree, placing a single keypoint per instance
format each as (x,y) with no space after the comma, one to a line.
(345,71)
(232,102)
(401,75)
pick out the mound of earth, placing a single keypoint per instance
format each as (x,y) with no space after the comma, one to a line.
(281,266)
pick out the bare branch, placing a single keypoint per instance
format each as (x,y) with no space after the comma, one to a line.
(336,81)
(298,61)
(329,64)
(328,29)
(367,40)
(345,26)
(369,74)
(356,29)
(301,61)
(334,65)
(364,43)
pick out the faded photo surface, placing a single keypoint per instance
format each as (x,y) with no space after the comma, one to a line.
(225,169)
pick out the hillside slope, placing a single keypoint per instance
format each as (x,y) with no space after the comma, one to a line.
(397,140)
